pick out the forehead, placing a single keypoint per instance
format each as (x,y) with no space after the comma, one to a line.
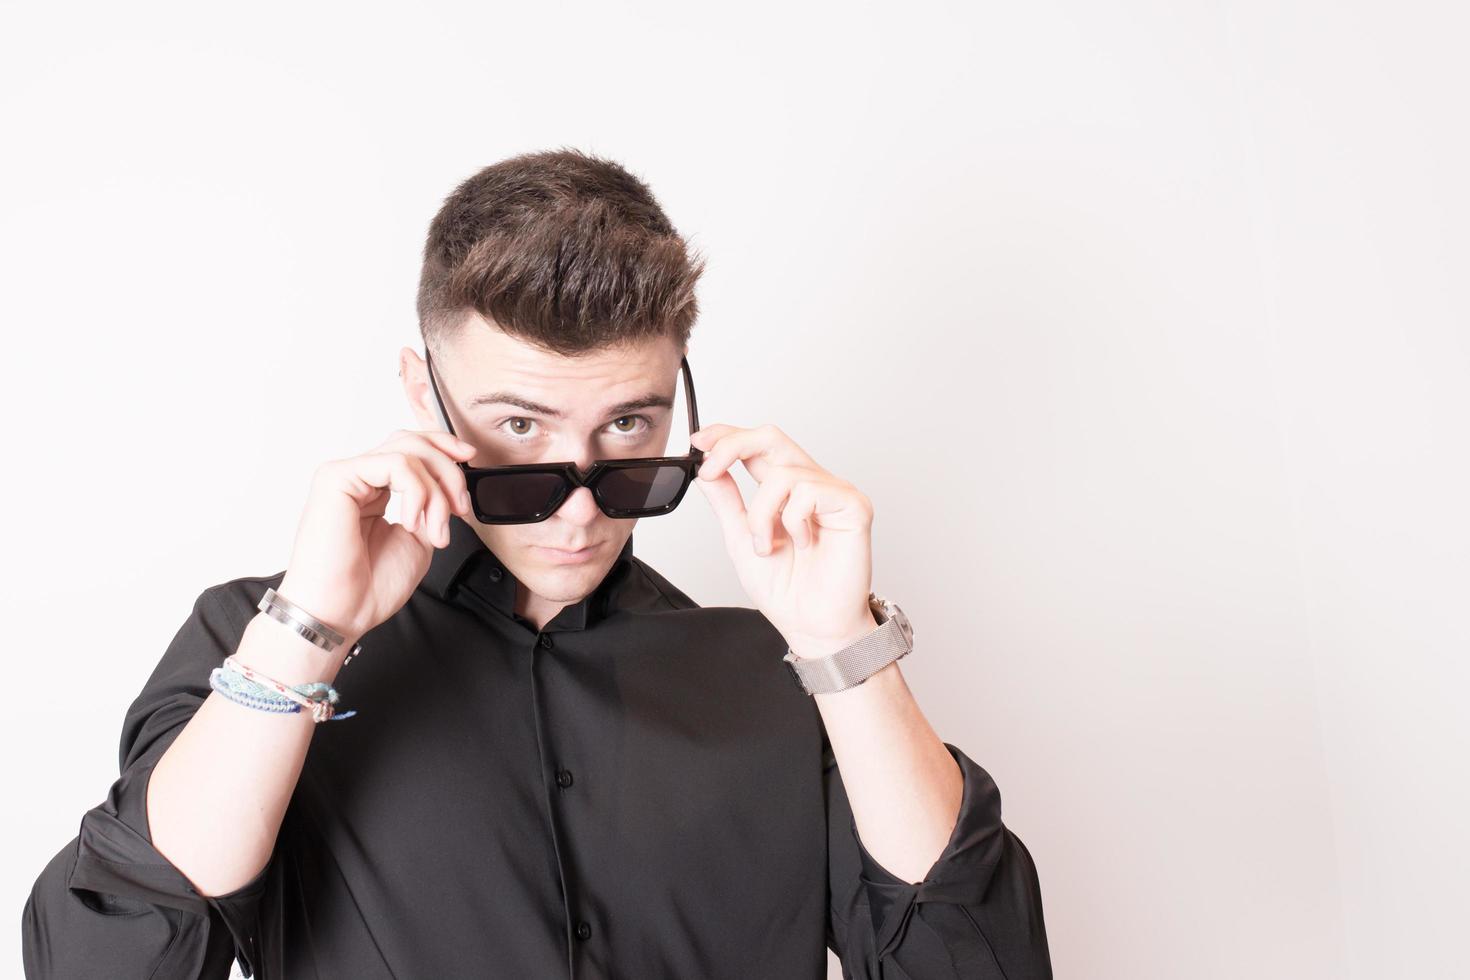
(493,370)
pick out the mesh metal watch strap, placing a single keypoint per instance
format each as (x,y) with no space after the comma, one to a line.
(856,663)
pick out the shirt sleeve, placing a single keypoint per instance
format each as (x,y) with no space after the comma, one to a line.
(977,914)
(109,904)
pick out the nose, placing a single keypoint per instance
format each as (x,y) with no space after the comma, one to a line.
(580,507)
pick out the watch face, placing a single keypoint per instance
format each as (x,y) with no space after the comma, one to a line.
(903,623)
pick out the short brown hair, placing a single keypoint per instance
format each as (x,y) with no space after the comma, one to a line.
(564,250)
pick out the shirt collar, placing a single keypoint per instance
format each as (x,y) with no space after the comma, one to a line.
(467,562)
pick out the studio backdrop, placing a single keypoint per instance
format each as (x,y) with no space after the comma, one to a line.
(1143,326)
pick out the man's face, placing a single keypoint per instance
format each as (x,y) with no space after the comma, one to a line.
(518,404)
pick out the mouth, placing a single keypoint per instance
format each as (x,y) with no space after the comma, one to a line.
(566,555)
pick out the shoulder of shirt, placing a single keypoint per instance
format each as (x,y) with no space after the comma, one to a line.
(646,575)
(754,627)
(237,598)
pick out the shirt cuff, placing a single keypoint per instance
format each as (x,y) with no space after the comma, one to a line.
(960,875)
(116,857)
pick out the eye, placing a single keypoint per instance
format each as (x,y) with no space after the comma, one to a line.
(518,428)
(642,430)
(516,433)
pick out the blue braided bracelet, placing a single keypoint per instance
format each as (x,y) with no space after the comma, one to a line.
(242,690)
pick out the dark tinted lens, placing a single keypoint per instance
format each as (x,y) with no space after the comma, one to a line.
(641,487)
(517,494)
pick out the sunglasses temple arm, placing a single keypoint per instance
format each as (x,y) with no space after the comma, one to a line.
(439,409)
(693,408)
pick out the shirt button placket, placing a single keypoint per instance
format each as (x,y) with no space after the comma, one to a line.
(583,930)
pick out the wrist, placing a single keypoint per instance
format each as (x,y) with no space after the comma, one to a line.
(813,647)
(319,605)
(280,652)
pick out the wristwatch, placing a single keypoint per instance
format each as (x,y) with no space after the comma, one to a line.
(853,664)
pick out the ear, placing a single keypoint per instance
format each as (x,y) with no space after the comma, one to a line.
(414,377)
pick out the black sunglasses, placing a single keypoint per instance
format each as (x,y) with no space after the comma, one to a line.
(526,493)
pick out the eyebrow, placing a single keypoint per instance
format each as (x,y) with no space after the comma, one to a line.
(650,400)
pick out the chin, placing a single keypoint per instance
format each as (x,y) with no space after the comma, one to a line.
(565,583)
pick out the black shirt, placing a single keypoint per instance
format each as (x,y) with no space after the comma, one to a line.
(637,791)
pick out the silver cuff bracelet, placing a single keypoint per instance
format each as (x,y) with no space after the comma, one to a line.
(286,612)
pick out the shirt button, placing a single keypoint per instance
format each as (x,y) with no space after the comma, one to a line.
(495,574)
(545,641)
(564,778)
(584,930)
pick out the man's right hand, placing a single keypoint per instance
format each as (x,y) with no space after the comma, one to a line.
(350,567)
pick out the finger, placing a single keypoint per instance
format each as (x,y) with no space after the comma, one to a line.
(407,476)
(763,511)
(758,449)
(729,507)
(446,469)
(705,437)
(442,453)
(448,443)
(800,504)
(434,515)
(832,503)
(365,479)
(410,484)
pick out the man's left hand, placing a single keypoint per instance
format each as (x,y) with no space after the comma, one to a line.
(802,548)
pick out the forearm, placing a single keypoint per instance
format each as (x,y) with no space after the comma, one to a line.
(235,767)
(903,785)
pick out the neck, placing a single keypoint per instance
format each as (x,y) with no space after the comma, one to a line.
(535,608)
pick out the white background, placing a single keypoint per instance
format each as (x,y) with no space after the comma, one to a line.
(1144,325)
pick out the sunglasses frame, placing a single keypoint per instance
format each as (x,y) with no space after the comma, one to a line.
(572,478)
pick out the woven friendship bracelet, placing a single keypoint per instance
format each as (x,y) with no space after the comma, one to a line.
(320,697)
(234,687)
(229,681)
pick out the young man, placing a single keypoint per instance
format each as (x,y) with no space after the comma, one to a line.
(560,765)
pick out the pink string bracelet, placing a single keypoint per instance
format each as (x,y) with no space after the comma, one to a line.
(323,705)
